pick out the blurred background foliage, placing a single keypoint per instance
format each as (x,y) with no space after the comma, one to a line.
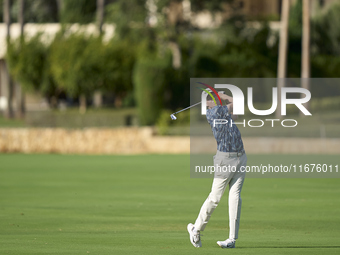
(138,64)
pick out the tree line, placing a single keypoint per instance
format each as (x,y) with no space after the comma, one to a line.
(153,54)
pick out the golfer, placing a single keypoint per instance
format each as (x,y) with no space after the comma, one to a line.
(230,155)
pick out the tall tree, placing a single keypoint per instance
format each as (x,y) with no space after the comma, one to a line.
(283,49)
(19,94)
(100,15)
(97,96)
(305,62)
(6,78)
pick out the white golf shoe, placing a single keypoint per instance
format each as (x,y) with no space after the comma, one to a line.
(229,243)
(195,238)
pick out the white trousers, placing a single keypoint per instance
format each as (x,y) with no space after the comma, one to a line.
(235,180)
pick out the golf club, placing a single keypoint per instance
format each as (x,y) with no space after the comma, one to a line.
(173,117)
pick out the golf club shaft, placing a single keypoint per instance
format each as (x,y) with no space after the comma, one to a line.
(188,107)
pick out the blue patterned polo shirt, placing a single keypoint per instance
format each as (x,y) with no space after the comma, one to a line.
(228,137)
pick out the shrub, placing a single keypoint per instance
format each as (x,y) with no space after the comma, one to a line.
(82,64)
(27,61)
(117,60)
(164,122)
(78,11)
(149,79)
(73,67)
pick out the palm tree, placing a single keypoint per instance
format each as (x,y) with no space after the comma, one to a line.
(100,14)
(305,62)
(19,94)
(6,79)
(283,49)
(97,97)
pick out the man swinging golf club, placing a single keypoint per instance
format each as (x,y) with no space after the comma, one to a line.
(231,154)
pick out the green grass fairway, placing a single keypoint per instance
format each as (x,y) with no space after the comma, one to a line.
(61,204)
